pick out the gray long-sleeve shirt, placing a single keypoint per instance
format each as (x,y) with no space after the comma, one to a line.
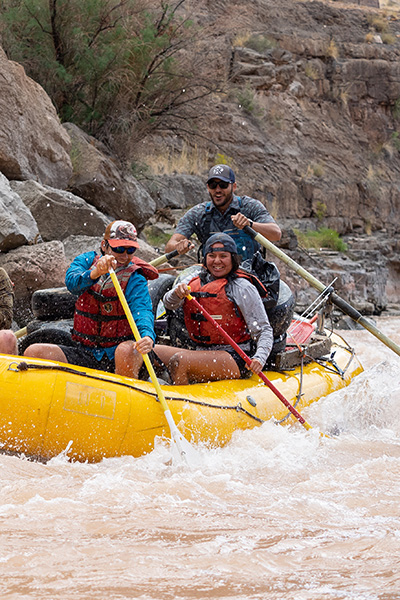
(246,297)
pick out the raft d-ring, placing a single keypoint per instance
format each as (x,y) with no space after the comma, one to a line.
(18,366)
(14,366)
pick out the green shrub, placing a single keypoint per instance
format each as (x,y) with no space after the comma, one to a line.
(314,170)
(260,43)
(395,140)
(246,98)
(388,38)
(223,159)
(312,72)
(321,238)
(320,210)
(396,110)
(378,22)
(140,170)
(155,237)
(116,68)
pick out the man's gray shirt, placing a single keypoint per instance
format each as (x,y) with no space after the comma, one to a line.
(194,221)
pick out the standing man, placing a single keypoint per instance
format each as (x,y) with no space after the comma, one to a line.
(225,212)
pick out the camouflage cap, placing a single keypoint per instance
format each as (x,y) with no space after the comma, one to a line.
(121,233)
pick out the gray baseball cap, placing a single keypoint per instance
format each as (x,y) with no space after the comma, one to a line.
(220,238)
(222,172)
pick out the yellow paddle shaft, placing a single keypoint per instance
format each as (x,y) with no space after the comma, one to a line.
(136,333)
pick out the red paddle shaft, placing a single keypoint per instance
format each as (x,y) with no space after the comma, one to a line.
(247,359)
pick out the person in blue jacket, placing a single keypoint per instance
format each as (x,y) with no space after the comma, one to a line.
(102,336)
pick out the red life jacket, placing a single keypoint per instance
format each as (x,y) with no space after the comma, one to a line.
(212,296)
(99,319)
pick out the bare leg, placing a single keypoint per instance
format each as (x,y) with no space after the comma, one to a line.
(192,366)
(127,360)
(8,342)
(47,351)
(165,353)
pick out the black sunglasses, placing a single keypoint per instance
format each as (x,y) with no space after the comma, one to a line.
(122,249)
(213,184)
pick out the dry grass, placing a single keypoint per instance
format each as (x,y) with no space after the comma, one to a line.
(191,160)
(378,22)
(312,72)
(256,41)
(333,50)
(314,170)
(344,97)
(390,5)
(373,180)
(388,38)
(241,38)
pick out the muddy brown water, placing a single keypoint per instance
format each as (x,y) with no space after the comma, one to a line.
(279,513)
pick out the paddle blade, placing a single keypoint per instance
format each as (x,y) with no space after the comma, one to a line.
(181,449)
(299,332)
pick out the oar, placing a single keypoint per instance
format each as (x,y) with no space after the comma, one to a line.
(30,328)
(247,359)
(318,285)
(164,258)
(180,444)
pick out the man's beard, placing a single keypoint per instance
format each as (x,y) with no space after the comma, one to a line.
(227,201)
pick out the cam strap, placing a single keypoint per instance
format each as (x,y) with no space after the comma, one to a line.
(203,295)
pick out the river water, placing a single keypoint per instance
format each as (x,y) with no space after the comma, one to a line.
(278,513)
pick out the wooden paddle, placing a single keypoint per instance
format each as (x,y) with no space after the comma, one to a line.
(164,258)
(318,285)
(21,332)
(180,446)
(247,359)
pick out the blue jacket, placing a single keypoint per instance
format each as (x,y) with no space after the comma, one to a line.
(137,295)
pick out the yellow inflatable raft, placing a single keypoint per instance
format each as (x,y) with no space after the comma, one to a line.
(47,407)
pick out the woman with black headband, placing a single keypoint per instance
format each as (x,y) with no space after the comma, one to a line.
(223,289)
